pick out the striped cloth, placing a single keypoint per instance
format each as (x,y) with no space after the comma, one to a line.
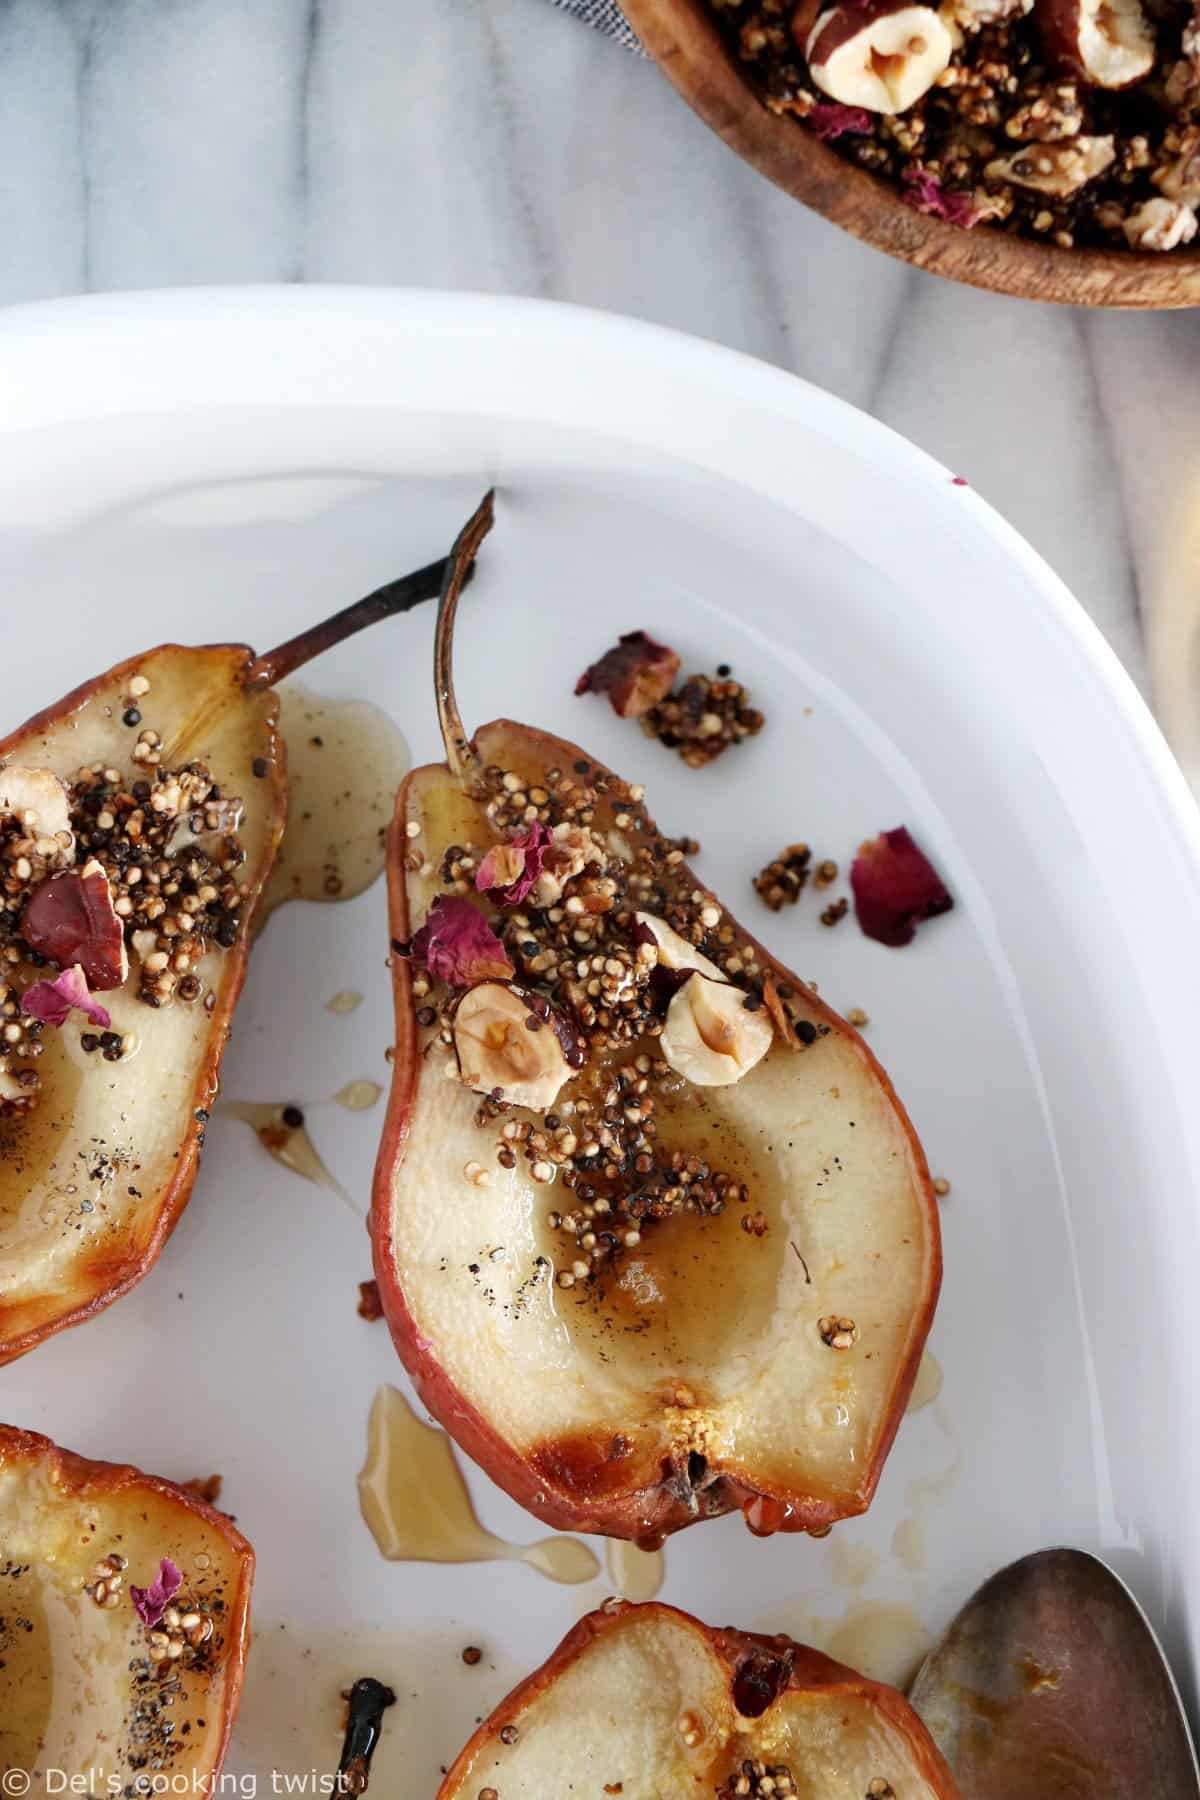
(606,16)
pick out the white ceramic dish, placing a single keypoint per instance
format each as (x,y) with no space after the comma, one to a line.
(234,464)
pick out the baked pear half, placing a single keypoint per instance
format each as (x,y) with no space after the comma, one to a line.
(644,1701)
(139,820)
(652,1231)
(124,1609)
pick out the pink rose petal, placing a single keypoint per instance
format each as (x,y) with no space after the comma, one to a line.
(895,886)
(53,1001)
(151,1602)
(527,854)
(457,944)
(831,121)
(925,194)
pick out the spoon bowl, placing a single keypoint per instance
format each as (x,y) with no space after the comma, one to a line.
(1051,1685)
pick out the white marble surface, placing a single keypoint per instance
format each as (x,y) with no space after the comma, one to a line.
(498,144)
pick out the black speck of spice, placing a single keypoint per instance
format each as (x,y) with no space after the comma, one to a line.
(131,716)
(201,1117)
(724,669)
(806,1031)
(581,767)
(259,766)
(293,1118)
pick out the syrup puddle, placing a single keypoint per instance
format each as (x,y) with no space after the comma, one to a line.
(923,1493)
(283,1134)
(345,761)
(851,1565)
(636,1574)
(908,1545)
(928,1384)
(885,1642)
(348,1001)
(417,1507)
(926,1490)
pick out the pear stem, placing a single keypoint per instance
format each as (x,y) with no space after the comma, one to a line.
(395,597)
(461,755)
(368,1701)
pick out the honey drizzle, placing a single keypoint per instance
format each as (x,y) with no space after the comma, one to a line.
(928,1384)
(345,761)
(636,1574)
(417,1506)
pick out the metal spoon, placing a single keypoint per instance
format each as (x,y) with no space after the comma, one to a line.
(1050,1685)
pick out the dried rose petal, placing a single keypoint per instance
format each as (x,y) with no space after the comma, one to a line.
(511,870)
(69,918)
(457,944)
(52,1001)
(895,886)
(635,674)
(831,121)
(925,194)
(151,1602)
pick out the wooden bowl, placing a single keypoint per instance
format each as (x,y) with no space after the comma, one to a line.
(684,41)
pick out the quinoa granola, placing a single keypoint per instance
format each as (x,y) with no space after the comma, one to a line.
(155,851)
(1069,121)
(609,933)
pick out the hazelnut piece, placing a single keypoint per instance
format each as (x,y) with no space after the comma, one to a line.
(1180,180)
(674,952)
(973,15)
(879,54)
(508,1038)
(1057,169)
(708,1035)
(1160,224)
(1108,43)
(36,791)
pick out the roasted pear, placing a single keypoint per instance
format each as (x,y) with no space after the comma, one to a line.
(643,1701)
(653,1234)
(124,1606)
(139,820)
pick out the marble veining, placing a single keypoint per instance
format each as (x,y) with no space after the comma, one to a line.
(501,145)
